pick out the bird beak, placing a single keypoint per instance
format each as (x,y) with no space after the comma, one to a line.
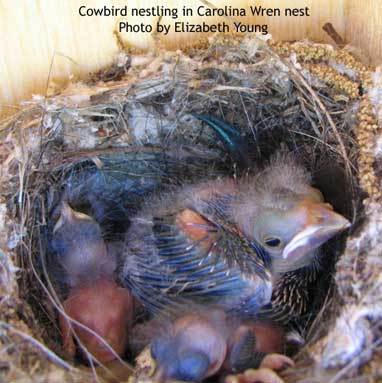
(320,223)
(68,215)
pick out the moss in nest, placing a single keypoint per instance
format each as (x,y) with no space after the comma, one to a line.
(242,82)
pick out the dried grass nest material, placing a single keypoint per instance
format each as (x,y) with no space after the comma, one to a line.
(320,102)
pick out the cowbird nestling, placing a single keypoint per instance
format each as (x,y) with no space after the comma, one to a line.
(177,250)
(205,341)
(290,210)
(93,298)
(228,241)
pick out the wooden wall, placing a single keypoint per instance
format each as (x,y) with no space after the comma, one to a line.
(364,27)
(47,42)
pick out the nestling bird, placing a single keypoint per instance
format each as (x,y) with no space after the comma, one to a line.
(102,312)
(230,241)
(205,342)
(110,187)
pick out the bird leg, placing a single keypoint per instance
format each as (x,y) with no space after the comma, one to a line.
(262,375)
(276,362)
(266,373)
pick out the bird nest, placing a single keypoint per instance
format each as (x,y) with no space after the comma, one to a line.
(319,102)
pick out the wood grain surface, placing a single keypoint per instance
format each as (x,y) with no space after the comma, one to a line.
(44,43)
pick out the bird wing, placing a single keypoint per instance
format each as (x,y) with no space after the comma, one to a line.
(198,259)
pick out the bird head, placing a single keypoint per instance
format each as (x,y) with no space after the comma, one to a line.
(185,364)
(288,217)
(79,246)
(193,349)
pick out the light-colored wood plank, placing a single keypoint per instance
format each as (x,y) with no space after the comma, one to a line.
(364,27)
(44,39)
(47,39)
(286,28)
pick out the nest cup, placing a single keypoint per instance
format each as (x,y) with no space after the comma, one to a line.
(309,99)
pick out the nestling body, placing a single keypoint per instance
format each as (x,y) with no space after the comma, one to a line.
(102,311)
(229,241)
(207,342)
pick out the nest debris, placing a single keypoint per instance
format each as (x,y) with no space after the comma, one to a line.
(310,97)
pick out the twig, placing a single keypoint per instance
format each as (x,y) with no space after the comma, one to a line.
(329,29)
(311,91)
(326,113)
(50,354)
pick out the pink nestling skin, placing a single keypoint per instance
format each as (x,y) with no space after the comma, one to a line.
(94,299)
(270,338)
(106,309)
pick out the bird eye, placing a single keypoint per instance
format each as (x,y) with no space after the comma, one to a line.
(272,241)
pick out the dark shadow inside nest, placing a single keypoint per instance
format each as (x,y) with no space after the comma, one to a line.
(272,126)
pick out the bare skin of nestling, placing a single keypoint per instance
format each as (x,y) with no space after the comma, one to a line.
(106,309)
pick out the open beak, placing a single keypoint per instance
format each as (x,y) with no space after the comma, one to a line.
(321,224)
